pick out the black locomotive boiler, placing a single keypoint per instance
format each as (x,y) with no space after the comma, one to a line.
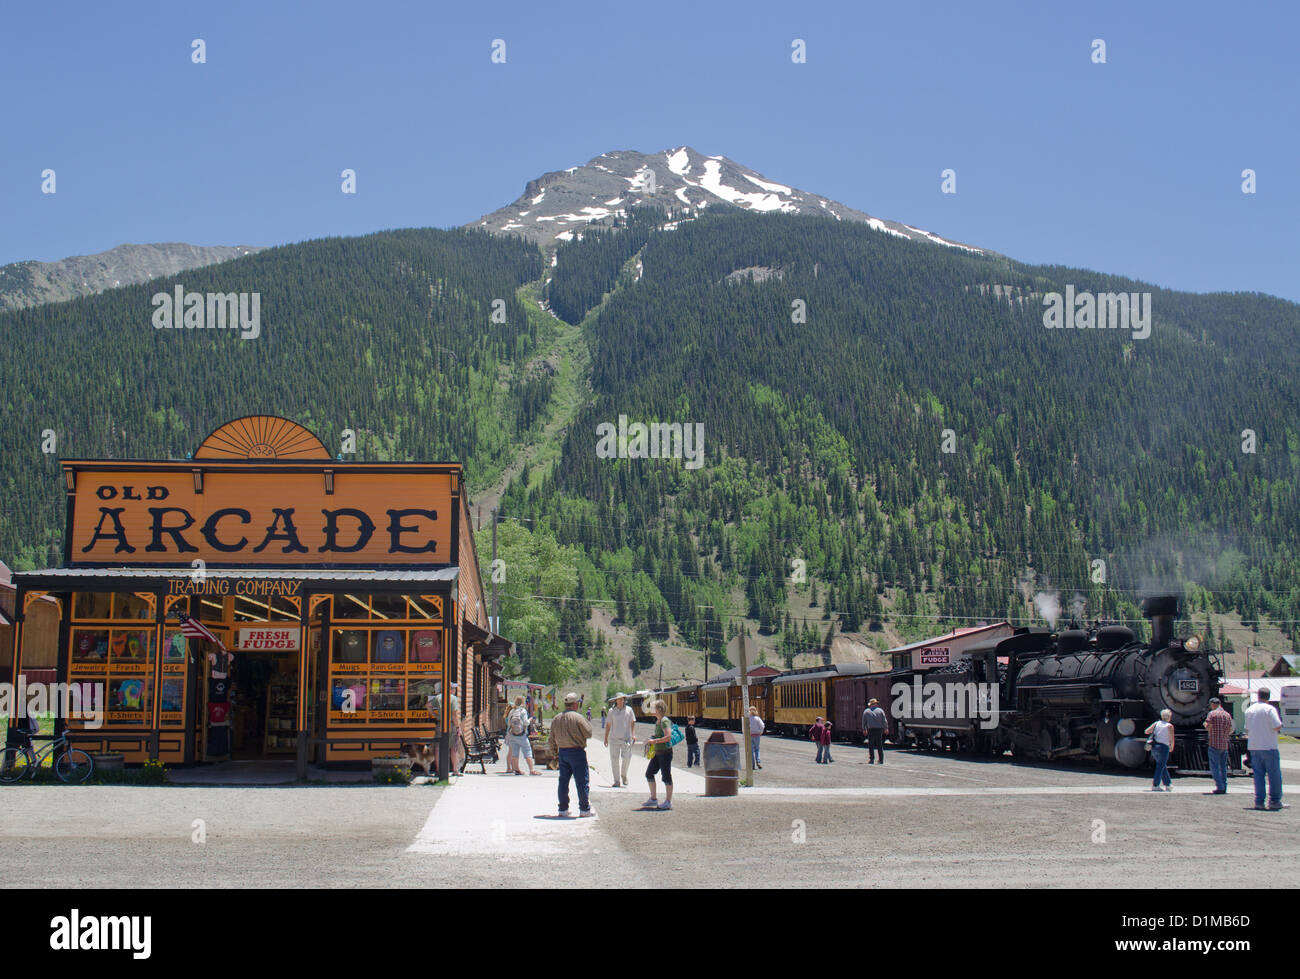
(1086,694)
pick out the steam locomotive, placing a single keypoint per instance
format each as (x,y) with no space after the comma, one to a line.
(1083,694)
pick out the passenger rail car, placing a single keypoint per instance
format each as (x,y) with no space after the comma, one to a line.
(799,697)
(639,702)
(714,700)
(682,702)
(760,697)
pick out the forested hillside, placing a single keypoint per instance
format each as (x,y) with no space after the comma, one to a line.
(891,436)
(825,437)
(390,335)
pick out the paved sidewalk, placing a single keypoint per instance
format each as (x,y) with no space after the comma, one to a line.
(501,814)
(685,781)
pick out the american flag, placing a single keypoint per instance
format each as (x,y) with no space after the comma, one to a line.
(195,629)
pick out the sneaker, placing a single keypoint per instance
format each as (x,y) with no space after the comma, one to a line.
(586,813)
(650,803)
(1279,805)
(1262,808)
(564,814)
(1156,788)
(665,804)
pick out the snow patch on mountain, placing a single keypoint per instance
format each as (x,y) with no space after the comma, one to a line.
(609,184)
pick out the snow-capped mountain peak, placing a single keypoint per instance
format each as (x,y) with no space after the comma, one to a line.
(556,205)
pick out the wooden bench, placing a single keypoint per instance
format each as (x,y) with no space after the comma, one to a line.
(478,753)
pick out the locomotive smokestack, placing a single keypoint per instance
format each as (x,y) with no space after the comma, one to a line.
(1161,610)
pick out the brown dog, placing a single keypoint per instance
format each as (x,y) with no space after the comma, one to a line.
(423,755)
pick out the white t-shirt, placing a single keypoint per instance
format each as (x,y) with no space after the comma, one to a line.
(755,725)
(1262,723)
(1164,733)
(621,723)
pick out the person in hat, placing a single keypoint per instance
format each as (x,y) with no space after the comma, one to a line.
(620,726)
(570,732)
(1219,725)
(874,724)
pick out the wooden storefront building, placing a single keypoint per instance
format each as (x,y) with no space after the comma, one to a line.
(348,593)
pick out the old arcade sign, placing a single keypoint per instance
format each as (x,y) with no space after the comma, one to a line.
(257,515)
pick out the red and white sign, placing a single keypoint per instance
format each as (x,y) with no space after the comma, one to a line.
(934,656)
(270,639)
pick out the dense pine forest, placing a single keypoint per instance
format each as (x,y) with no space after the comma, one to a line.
(391,335)
(891,434)
(1086,461)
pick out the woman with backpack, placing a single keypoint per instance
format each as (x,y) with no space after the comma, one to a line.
(661,743)
(517,743)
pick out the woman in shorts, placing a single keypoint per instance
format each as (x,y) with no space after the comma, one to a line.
(662,763)
(518,744)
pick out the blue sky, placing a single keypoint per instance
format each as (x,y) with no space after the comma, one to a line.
(1131,167)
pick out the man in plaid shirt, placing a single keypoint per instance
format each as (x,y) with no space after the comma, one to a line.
(1219,724)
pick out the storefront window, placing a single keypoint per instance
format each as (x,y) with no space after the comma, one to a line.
(210,610)
(119,654)
(351,606)
(93,605)
(388,606)
(426,607)
(382,673)
(274,609)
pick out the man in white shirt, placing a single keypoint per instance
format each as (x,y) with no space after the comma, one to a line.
(621,727)
(1262,727)
(756,729)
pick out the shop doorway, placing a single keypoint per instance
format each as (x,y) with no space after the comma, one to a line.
(264,706)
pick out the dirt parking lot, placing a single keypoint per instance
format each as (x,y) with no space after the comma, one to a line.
(922,820)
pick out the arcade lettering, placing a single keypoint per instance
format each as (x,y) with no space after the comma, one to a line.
(172,529)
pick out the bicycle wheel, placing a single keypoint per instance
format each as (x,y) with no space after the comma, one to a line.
(74,766)
(15,764)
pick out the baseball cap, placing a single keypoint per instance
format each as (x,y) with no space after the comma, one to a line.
(571,698)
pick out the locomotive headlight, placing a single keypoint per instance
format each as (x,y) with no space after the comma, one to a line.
(1192,644)
(1125,726)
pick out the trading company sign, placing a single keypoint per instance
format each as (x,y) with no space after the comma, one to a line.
(934,656)
(259,516)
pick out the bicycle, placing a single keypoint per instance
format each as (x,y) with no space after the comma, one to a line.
(72,766)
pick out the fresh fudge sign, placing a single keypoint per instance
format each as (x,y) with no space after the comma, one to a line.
(935,656)
(260,516)
(275,639)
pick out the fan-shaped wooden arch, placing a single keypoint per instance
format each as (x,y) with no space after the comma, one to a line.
(262,437)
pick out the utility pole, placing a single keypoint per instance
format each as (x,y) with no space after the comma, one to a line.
(496,621)
(741,644)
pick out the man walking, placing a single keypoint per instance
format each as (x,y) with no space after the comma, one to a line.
(1262,727)
(874,725)
(1219,726)
(620,726)
(568,739)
